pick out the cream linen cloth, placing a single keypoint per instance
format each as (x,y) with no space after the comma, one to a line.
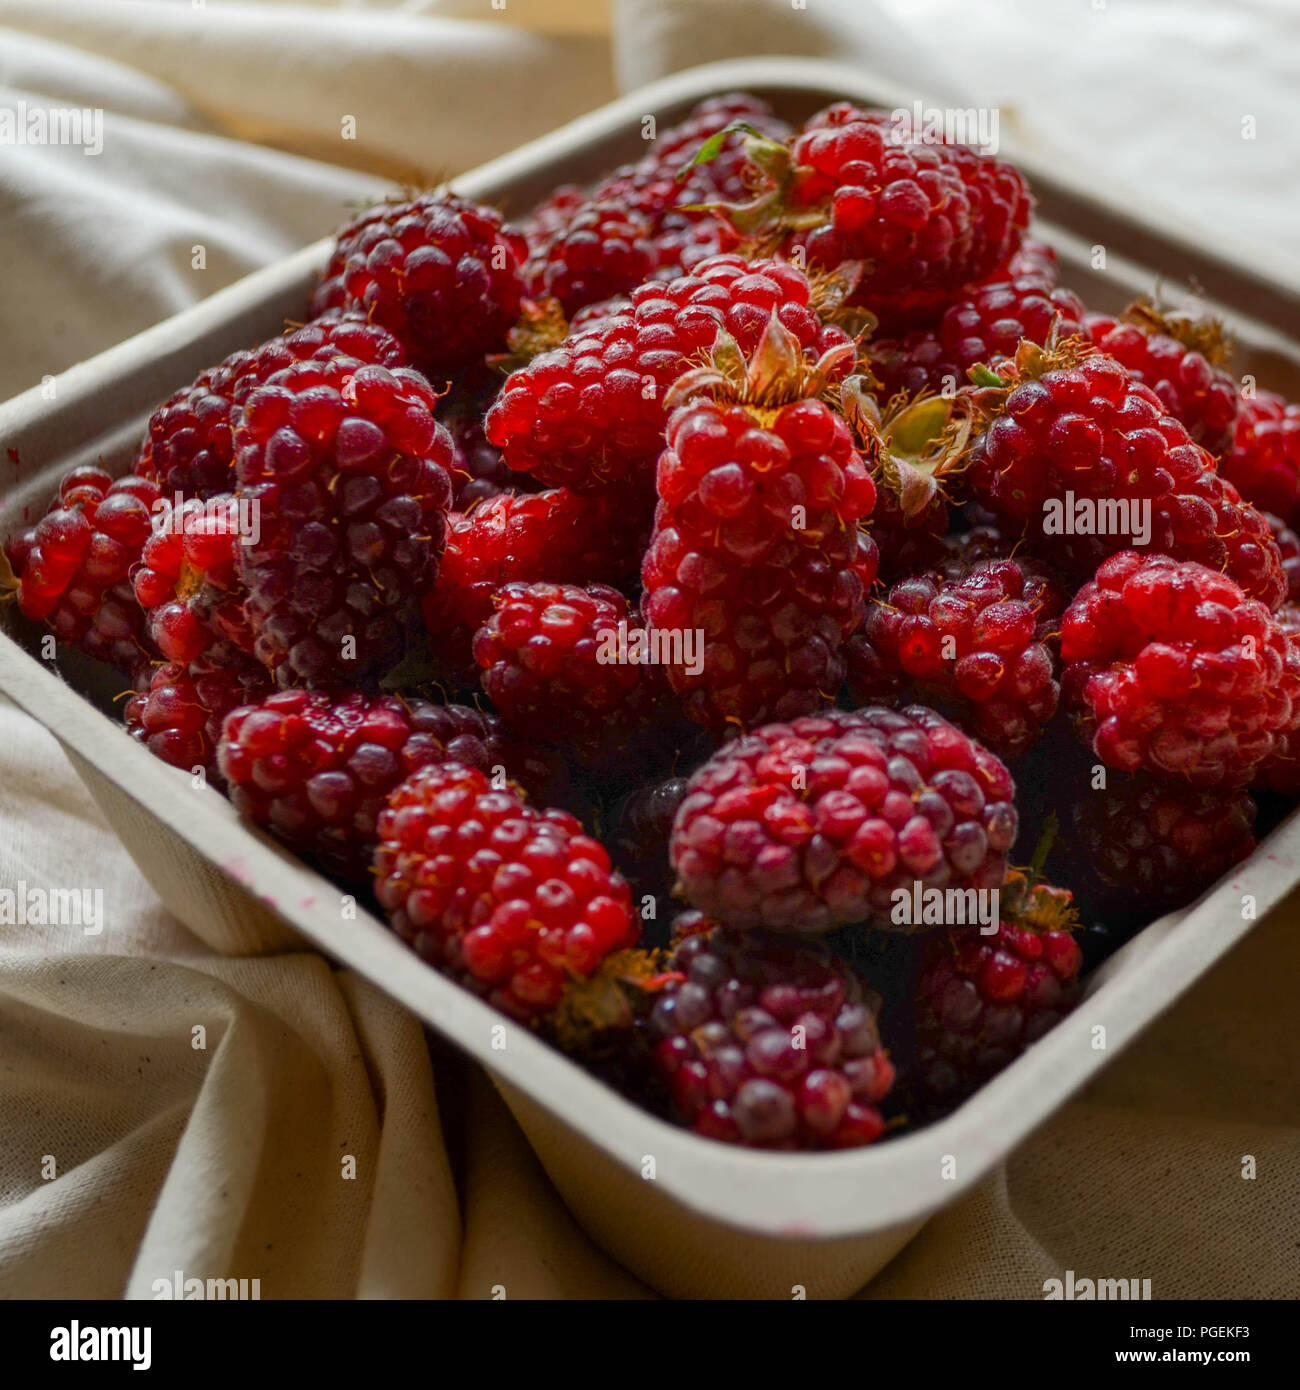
(223,127)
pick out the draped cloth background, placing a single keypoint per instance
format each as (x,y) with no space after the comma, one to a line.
(223,127)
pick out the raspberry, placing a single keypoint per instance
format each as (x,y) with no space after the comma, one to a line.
(315,767)
(1154,845)
(1263,462)
(989,323)
(444,275)
(642,220)
(1083,429)
(510,901)
(653,186)
(1170,667)
(1185,375)
(348,472)
(73,565)
(756,546)
(186,581)
(556,535)
(178,717)
(550,662)
(591,412)
(769,1043)
(925,219)
(972,641)
(814,823)
(982,1000)
(604,250)
(189,445)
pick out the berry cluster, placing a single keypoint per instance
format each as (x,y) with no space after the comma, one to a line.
(764,527)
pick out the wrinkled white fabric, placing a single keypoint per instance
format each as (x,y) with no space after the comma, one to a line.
(130,1151)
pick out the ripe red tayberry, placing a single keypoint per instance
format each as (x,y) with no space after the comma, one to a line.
(73,565)
(591,412)
(1169,667)
(510,901)
(443,274)
(347,471)
(814,823)
(974,640)
(769,1043)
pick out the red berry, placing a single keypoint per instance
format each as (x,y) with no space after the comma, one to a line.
(971,639)
(817,822)
(927,219)
(178,716)
(1263,462)
(981,1000)
(1168,666)
(990,323)
(189,445)
(347,471)
(757,549)
(442,274)
(769,1043)
(591,412)
(73,566)
(556,535)
(1088,429)
(1188,382)
(551,662)
(186,580)
(510,901)
(1153,844)
(314,767)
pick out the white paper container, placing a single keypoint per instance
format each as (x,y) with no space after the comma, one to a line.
(712,1221)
